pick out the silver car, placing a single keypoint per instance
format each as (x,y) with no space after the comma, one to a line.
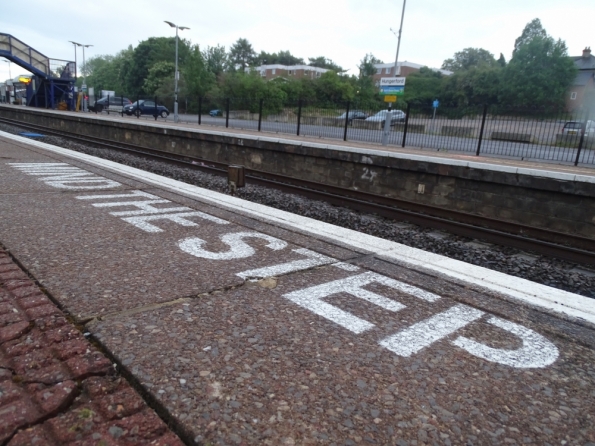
(575,128)
(397,116)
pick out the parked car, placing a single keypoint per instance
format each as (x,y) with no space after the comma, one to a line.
(143,107)
(216,112)
(397,116)
(575,128)
(354,114)
(115,102)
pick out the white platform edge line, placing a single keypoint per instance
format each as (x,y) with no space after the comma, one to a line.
(542,296)
(521,170)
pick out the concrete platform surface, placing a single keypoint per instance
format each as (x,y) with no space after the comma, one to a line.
(247,325)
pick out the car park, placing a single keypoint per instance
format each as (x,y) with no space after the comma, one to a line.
(354,114)
(110,102)
(576,127)
(216,112)
(144,107)
(397,116)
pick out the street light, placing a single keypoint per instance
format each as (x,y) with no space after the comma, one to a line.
(84,86)
(389,116)
(399,37)
(177,74)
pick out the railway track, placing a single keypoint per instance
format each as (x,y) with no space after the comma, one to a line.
(548,243)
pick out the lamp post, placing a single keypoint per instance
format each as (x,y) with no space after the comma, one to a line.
(177,74)
(84,77)
(399,37)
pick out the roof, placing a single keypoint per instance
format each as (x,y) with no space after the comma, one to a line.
(584,63)
(582,78)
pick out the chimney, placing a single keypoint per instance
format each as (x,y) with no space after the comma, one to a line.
(587,52)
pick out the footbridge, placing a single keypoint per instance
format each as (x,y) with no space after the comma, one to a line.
(52,80)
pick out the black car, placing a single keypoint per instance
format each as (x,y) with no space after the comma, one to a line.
(143,107)
(354,114)
(115,102)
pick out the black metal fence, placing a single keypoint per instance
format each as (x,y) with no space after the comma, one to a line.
(495,131)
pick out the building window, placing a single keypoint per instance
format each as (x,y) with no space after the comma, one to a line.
(274,70)
(318,74)
(573,95)
(263,73)
(379,71)
(290,72)
(387,70)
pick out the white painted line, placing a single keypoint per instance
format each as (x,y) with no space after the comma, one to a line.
(547,298)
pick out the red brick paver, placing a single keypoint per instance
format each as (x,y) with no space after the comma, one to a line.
(55,387)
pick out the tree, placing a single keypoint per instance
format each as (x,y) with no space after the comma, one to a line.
(468,58)
(198,79)
(159,74)
(423,87)
(323,62)
(282,58)
(241,53)
(108,72)
(502,60)
(539,73)
(532,29)
(149,52)
(366,65)
(216,59)
(540,70)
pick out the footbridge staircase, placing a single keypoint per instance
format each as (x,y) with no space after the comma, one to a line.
(52,80)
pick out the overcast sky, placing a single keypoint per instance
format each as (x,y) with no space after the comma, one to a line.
(342,30)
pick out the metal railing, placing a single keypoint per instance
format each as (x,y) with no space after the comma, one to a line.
(494,131)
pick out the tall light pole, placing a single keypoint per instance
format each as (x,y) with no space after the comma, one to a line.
(399,37)
(177,74)
(84,77)
(75,64)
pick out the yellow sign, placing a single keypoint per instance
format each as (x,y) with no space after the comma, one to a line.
(390,99)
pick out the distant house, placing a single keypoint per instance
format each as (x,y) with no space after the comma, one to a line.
(288,71)
(581,94)
(404,69)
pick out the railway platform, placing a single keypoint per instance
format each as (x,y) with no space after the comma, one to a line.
(242,324)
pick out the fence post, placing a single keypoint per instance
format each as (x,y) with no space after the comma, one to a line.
(156,108)
(407,111)
(199,109)
(580,142)
(346,123)
(299,121)
(227,113)
(483,123)
(260,113)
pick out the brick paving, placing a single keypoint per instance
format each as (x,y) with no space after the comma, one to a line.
(56,388)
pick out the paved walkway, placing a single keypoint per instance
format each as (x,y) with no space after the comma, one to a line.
(56,388)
